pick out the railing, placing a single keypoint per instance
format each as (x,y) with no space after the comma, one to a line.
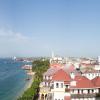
(83,95)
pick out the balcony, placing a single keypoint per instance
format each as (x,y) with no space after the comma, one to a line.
(83,95)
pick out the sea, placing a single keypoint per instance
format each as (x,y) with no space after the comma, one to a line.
(12,79)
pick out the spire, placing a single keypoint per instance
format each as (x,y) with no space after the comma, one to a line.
(52,54)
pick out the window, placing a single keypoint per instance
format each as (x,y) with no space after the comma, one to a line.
(61,85)
(66,86)
(52,86)
(78,91)
(48,77)
(45,83)
(92,91)
(57,85)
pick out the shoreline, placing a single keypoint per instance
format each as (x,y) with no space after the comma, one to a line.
(28,84)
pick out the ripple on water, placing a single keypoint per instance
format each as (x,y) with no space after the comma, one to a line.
(12,79)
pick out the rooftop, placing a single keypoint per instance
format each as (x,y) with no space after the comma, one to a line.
(61,75)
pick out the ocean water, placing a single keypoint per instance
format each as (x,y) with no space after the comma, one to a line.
(12,79)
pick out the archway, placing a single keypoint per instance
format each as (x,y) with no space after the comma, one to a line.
(46,97)
(42,97)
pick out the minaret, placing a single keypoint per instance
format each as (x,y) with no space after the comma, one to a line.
(53,54)
(52,57)
(99,60)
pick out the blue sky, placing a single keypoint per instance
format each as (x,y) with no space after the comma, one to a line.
(38,27)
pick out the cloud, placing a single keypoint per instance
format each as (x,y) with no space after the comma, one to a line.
(17,44)
(11,34)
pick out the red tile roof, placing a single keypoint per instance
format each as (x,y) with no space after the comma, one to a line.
(56,65)
(61,75)
(51,71)
(96,81)
(83,82)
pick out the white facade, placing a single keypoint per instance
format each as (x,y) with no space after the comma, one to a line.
(58,86)
(99,60)
(58,96)
(56,59)
(83,99)
(97,67)
(86,62)
(58,90)
(81,92)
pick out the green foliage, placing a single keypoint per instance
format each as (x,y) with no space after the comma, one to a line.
(39,67)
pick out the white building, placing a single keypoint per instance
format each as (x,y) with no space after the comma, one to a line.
(97,67)
(60,85)
(82,88)
(99,60)
(56,60)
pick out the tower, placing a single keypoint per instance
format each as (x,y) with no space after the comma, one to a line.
(99,60)
(53,54)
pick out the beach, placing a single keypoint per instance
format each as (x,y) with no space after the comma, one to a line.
(13,81)
(27,85)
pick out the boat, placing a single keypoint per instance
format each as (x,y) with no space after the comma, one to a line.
(27,79)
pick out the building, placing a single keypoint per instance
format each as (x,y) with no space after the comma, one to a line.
(97,67)
(57,61)
(91,74)
(47,76)
(99,60)
(82,88)
(60,85)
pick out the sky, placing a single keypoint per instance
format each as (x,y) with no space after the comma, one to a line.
(38,27)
